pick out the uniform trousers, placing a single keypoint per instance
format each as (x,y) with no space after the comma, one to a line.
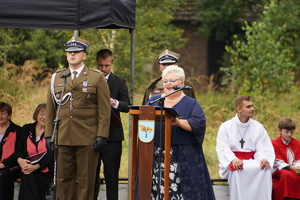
(111,158)
(76,163)
(34,186)
(7,179)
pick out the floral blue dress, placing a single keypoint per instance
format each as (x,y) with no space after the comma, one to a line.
(189,177)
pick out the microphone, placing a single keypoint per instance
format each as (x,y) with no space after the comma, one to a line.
(65,75)
(182,87)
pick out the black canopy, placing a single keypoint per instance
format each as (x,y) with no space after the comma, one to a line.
(71,15)
(67,14)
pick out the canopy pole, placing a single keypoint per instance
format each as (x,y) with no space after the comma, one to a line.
(132,56)
(77,33)
(131,93)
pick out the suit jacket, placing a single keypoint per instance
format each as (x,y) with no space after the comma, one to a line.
(151,86)
(119,91)
(86,114)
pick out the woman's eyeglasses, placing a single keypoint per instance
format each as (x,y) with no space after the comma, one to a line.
(172,80)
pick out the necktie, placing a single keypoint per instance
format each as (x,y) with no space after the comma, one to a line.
(74,77)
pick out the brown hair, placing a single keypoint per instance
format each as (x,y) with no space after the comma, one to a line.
(105,53)
(6,107)
(239,101)
(286,123)
(37,110)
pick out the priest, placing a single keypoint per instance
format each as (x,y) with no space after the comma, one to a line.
(246,154)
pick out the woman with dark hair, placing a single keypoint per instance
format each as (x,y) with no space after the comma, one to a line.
(9,134)
(35,177)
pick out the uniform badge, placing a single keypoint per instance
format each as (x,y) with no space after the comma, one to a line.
(84,89)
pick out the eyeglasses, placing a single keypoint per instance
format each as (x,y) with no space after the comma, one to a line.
(172,80)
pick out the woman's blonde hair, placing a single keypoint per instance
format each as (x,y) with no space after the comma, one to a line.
(176,70)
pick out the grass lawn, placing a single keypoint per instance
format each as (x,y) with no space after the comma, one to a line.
(218,108)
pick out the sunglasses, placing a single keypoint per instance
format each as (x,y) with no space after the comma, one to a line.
(172,80)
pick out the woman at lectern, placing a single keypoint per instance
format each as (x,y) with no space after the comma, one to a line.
(37,164)
(189,177)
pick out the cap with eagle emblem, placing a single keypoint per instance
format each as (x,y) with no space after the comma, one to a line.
(168,56)
(76,44)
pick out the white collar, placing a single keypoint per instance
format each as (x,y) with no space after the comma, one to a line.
(241,124)
(285,142)
(107,76)
(78,70)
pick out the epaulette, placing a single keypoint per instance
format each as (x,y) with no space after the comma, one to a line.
(95,70)
(61,70)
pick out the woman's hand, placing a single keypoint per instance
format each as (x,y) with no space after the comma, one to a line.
(2,166)
(175,121)
(183,123)
(30,168)
(26,167)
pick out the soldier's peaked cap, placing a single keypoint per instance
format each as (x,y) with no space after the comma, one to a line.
(168,56)
(76,44)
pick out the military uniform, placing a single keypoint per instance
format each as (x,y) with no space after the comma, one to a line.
(84,115)
(79,113)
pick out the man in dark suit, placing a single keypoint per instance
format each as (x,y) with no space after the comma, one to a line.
(119,101)
(84,122)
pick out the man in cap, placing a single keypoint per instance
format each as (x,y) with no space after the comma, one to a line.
(84,122)
(155,86)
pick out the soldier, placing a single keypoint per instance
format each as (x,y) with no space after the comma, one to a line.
(84,122)
(155,86)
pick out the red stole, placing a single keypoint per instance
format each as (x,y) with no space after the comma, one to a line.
(41,147)
(9,145)
(280,149)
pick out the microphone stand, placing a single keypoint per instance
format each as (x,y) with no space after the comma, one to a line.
(55,136)
(161,105)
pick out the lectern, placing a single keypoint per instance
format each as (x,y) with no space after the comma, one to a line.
(141,153)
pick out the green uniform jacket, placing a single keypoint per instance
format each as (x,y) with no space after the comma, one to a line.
(87,112)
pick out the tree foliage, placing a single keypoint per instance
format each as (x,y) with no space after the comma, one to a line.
(265,60)
(153,33)
(223,17)
(19,45)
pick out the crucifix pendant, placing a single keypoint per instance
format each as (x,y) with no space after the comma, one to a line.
(242,142)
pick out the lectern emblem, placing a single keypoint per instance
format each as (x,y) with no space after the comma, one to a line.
(146,130)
